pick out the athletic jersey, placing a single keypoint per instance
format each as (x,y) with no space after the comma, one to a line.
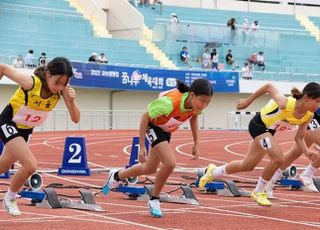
(282,120)
(29,109)
(168,112)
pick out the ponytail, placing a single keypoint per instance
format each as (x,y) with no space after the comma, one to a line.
(39,71)
(182,87)
(296,93)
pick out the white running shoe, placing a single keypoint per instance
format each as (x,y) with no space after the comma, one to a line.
(308,185)
(154,207)
(269,190)
(111,182)
(11,206)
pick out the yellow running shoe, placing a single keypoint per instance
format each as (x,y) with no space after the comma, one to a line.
(207,177)
(260,198)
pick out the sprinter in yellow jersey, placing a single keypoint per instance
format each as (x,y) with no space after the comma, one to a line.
(312,136)
(280,114)
(164,115)
(31,106)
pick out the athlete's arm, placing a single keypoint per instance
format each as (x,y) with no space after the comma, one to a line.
(299,139)
(18,76)
(69,96)
(142,136)
(267,88)
(194,129)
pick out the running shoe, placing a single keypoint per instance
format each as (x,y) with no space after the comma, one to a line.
(207,177)
(260,198)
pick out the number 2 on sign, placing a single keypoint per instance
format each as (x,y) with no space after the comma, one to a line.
(75,149)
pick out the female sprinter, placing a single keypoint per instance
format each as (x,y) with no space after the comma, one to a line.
(164,115)
(30,106)
(280,114)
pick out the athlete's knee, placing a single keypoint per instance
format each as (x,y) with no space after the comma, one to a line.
(169,166)
(150,170)
(247,167)
(31,167)
(279,160)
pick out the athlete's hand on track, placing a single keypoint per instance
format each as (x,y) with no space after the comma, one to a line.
(195,152)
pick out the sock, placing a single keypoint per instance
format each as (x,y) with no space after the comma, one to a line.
(116,176)
(154,198)
(276,176)
(220,170)
(11,195)
(261,185)
(309,171)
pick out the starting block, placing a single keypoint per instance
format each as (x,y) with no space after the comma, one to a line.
(132,191)
(74,160)
(187,196)
(52,201)
(316,181)
(289,178)
(226,188)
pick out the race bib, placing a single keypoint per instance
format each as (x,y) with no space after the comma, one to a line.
(314,124)
(171,125)
(31,117)
(283,126)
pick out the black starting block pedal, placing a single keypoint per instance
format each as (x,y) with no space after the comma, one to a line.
(232,189)
(51,199)
(187,196)
(86,203)
(316,181)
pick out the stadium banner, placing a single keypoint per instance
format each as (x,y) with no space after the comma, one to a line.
(94,75)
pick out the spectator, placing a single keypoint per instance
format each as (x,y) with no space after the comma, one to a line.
(159,2)
(245,31)
(206,59)
(254,33)
(184,56)
(260,61)
(232,23)
(102,59)
(215,59)
(144,3)
(42,60)
(174,19)
(93,57)
(230,60)
(247,71)
(252,59)
(18,62)
(28,60)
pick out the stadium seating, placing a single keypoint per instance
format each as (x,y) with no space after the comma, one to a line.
(59,30)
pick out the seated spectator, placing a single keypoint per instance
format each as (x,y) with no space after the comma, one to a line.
(230,60)
(102,59)
(28,60)
(174,19)
(18,62)
(206,59)
(215,59)
(42,60)
(260,61)
(246,71)
(252,59)
(93,57)
(184,56)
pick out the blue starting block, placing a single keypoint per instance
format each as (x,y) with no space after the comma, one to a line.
(131,190)
(295,184)
(74,160)
(135,148)
(6,174)
(212,186)
(36,196)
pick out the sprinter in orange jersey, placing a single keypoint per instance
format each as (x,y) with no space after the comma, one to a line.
(164,115)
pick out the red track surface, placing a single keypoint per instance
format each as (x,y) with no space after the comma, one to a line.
(292,209)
